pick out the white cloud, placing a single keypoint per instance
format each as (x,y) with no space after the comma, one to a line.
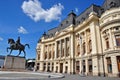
(76,10)
(22,30)
(33,9)
(1,39)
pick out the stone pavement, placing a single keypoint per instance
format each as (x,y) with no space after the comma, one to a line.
(47,76)
(78,77)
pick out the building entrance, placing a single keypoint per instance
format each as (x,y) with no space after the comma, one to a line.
(61,67)
(118,61)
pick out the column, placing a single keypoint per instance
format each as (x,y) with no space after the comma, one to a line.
(114,65)
(105,64)
(54,66)
(111,40)
(93,37)
(95,66)
(56,46)
(46,67)
(47,51)
(58,67)
(72,45)
(64,66)
(60,48)
(87,66)
(81,66)
(42,52)
(50,66)
(65,47)
(81,42)
(86,43)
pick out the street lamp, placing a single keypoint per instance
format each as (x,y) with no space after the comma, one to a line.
(82,73)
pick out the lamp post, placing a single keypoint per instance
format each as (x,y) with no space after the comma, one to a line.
(81,50)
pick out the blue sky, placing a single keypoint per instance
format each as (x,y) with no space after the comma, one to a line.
(30,18)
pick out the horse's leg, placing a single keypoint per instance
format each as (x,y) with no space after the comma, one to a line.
(19,52)
(8,48)
(24,53)
(10,52)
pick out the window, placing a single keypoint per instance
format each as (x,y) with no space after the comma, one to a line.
(78,50)
(62,52)
(117,28)
(109,65)
(84,66)
(38,56)
(50,55)
(68,51)
(53,54)
(84,50)
(44,66)
(77,66)
(46,55)
(117,40)
(66,69)
(66,22)
(107,43)
(90,46)
(90,65)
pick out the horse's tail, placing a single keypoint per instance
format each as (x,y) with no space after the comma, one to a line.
(27,45)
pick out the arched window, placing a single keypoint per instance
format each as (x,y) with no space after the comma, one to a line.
(62,52)
(53,54)
(84,49)
(38,56)
(50,55)
(107,43)
(68,51)
(58,53)
(78,50)
(117,40)
(45,55)
(90,46)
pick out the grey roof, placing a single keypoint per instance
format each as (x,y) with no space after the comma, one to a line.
(110,4)
(65,23)
(84,15)
(73,19)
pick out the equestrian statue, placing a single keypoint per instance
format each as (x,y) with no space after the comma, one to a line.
(16,46)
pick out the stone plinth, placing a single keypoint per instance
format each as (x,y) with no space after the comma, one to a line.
(14,62)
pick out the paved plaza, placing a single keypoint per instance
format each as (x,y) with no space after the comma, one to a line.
(47,76)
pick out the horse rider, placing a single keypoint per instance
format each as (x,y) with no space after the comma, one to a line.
(18,42)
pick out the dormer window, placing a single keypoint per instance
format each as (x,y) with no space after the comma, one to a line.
(83,19)
(117,28)
(87,14)
(78,22)
(66,22)
(112,4)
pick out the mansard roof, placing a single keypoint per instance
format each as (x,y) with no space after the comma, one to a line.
(65,23)
(84,15)
(110,4)
(73,19)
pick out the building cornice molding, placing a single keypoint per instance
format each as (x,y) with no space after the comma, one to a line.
(110,17)
(92,17)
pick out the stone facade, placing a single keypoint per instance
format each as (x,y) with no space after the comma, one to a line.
(14,62)
(89,43)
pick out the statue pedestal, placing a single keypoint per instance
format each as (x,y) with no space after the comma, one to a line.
(14,62)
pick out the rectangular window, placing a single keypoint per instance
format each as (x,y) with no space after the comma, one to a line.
(117,40)
(107,43)
(77,66)
(109,65)
(38,56)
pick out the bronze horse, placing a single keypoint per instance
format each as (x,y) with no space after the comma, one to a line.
(14,46)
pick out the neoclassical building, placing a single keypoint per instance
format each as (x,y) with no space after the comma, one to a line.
(88,43)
